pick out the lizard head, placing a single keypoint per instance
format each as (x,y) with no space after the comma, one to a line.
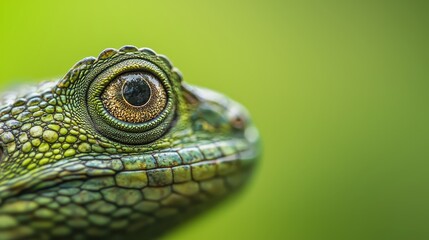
(119,145)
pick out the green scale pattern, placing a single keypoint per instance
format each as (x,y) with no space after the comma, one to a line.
(61,178)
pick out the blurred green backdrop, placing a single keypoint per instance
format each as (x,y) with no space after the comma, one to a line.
(338,89)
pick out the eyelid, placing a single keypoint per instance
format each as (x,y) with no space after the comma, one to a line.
(2,153)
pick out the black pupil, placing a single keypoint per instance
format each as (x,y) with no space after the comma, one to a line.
(136,90)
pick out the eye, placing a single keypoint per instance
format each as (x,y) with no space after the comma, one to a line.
(130,99)
(135,97)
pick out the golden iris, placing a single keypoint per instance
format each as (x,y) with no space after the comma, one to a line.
(135,97)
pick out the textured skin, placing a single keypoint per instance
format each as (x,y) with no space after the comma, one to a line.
(62,177)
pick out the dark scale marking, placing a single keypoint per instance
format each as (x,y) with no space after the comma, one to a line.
(1,153)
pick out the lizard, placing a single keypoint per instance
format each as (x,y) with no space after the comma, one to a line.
(120,147)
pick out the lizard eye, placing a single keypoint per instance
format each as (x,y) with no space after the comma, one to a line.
(131,100)
(135,97)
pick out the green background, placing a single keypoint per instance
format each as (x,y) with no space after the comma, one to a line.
(338,89)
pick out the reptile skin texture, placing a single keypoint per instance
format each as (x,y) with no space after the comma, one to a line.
(119,148)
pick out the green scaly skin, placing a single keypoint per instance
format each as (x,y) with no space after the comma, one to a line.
(67,173)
